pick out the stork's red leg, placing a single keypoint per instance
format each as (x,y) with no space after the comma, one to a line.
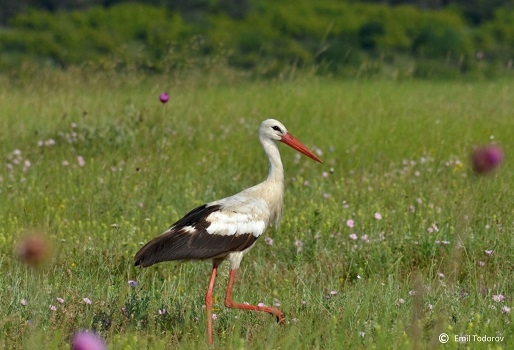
(229,303)
(208,301)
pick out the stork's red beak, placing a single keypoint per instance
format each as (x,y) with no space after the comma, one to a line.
(291,141)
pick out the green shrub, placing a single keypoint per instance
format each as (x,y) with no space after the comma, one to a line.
(330,33)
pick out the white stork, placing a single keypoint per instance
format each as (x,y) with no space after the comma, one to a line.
(228,228)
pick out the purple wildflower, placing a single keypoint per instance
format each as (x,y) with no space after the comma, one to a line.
(87,341)
(132,283)
(164,97)
(486,159)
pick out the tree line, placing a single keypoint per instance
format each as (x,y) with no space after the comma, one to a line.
(475,11)
(433,38)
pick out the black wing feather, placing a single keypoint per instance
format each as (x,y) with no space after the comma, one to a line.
(180,244)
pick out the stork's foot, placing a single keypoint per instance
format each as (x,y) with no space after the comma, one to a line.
(281,319)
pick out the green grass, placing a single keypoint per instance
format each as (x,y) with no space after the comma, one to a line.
(399,149)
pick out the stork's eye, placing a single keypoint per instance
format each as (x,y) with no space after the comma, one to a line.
(276,128)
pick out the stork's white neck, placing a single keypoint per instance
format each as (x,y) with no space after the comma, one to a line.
(276,170)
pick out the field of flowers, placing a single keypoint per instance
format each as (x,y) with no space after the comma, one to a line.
(394,242)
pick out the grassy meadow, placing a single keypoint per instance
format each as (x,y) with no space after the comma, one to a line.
(389,243)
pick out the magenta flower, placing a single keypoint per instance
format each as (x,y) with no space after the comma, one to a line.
(486,159)
(87,341)
(164,97)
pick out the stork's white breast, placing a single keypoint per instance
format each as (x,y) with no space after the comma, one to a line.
(231,223)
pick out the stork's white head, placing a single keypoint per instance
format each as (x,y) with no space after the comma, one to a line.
(274,130)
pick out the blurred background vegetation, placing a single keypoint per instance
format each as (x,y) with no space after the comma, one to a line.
(397,38)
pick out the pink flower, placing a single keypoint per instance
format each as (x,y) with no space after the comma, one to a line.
(87,301)
(81,161)
(268,241)
(53,308)
(214,317)
(333,292)
(350,223)
(365,238)
(481,263)
(506,309)
(353,236)
(433,228)
(486,159)
(164,97)
(162,311)
(261,305)
(498,298)
(60,300)
(299,245)
(489,252)
(87,341)
(23,302)
(378,216)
